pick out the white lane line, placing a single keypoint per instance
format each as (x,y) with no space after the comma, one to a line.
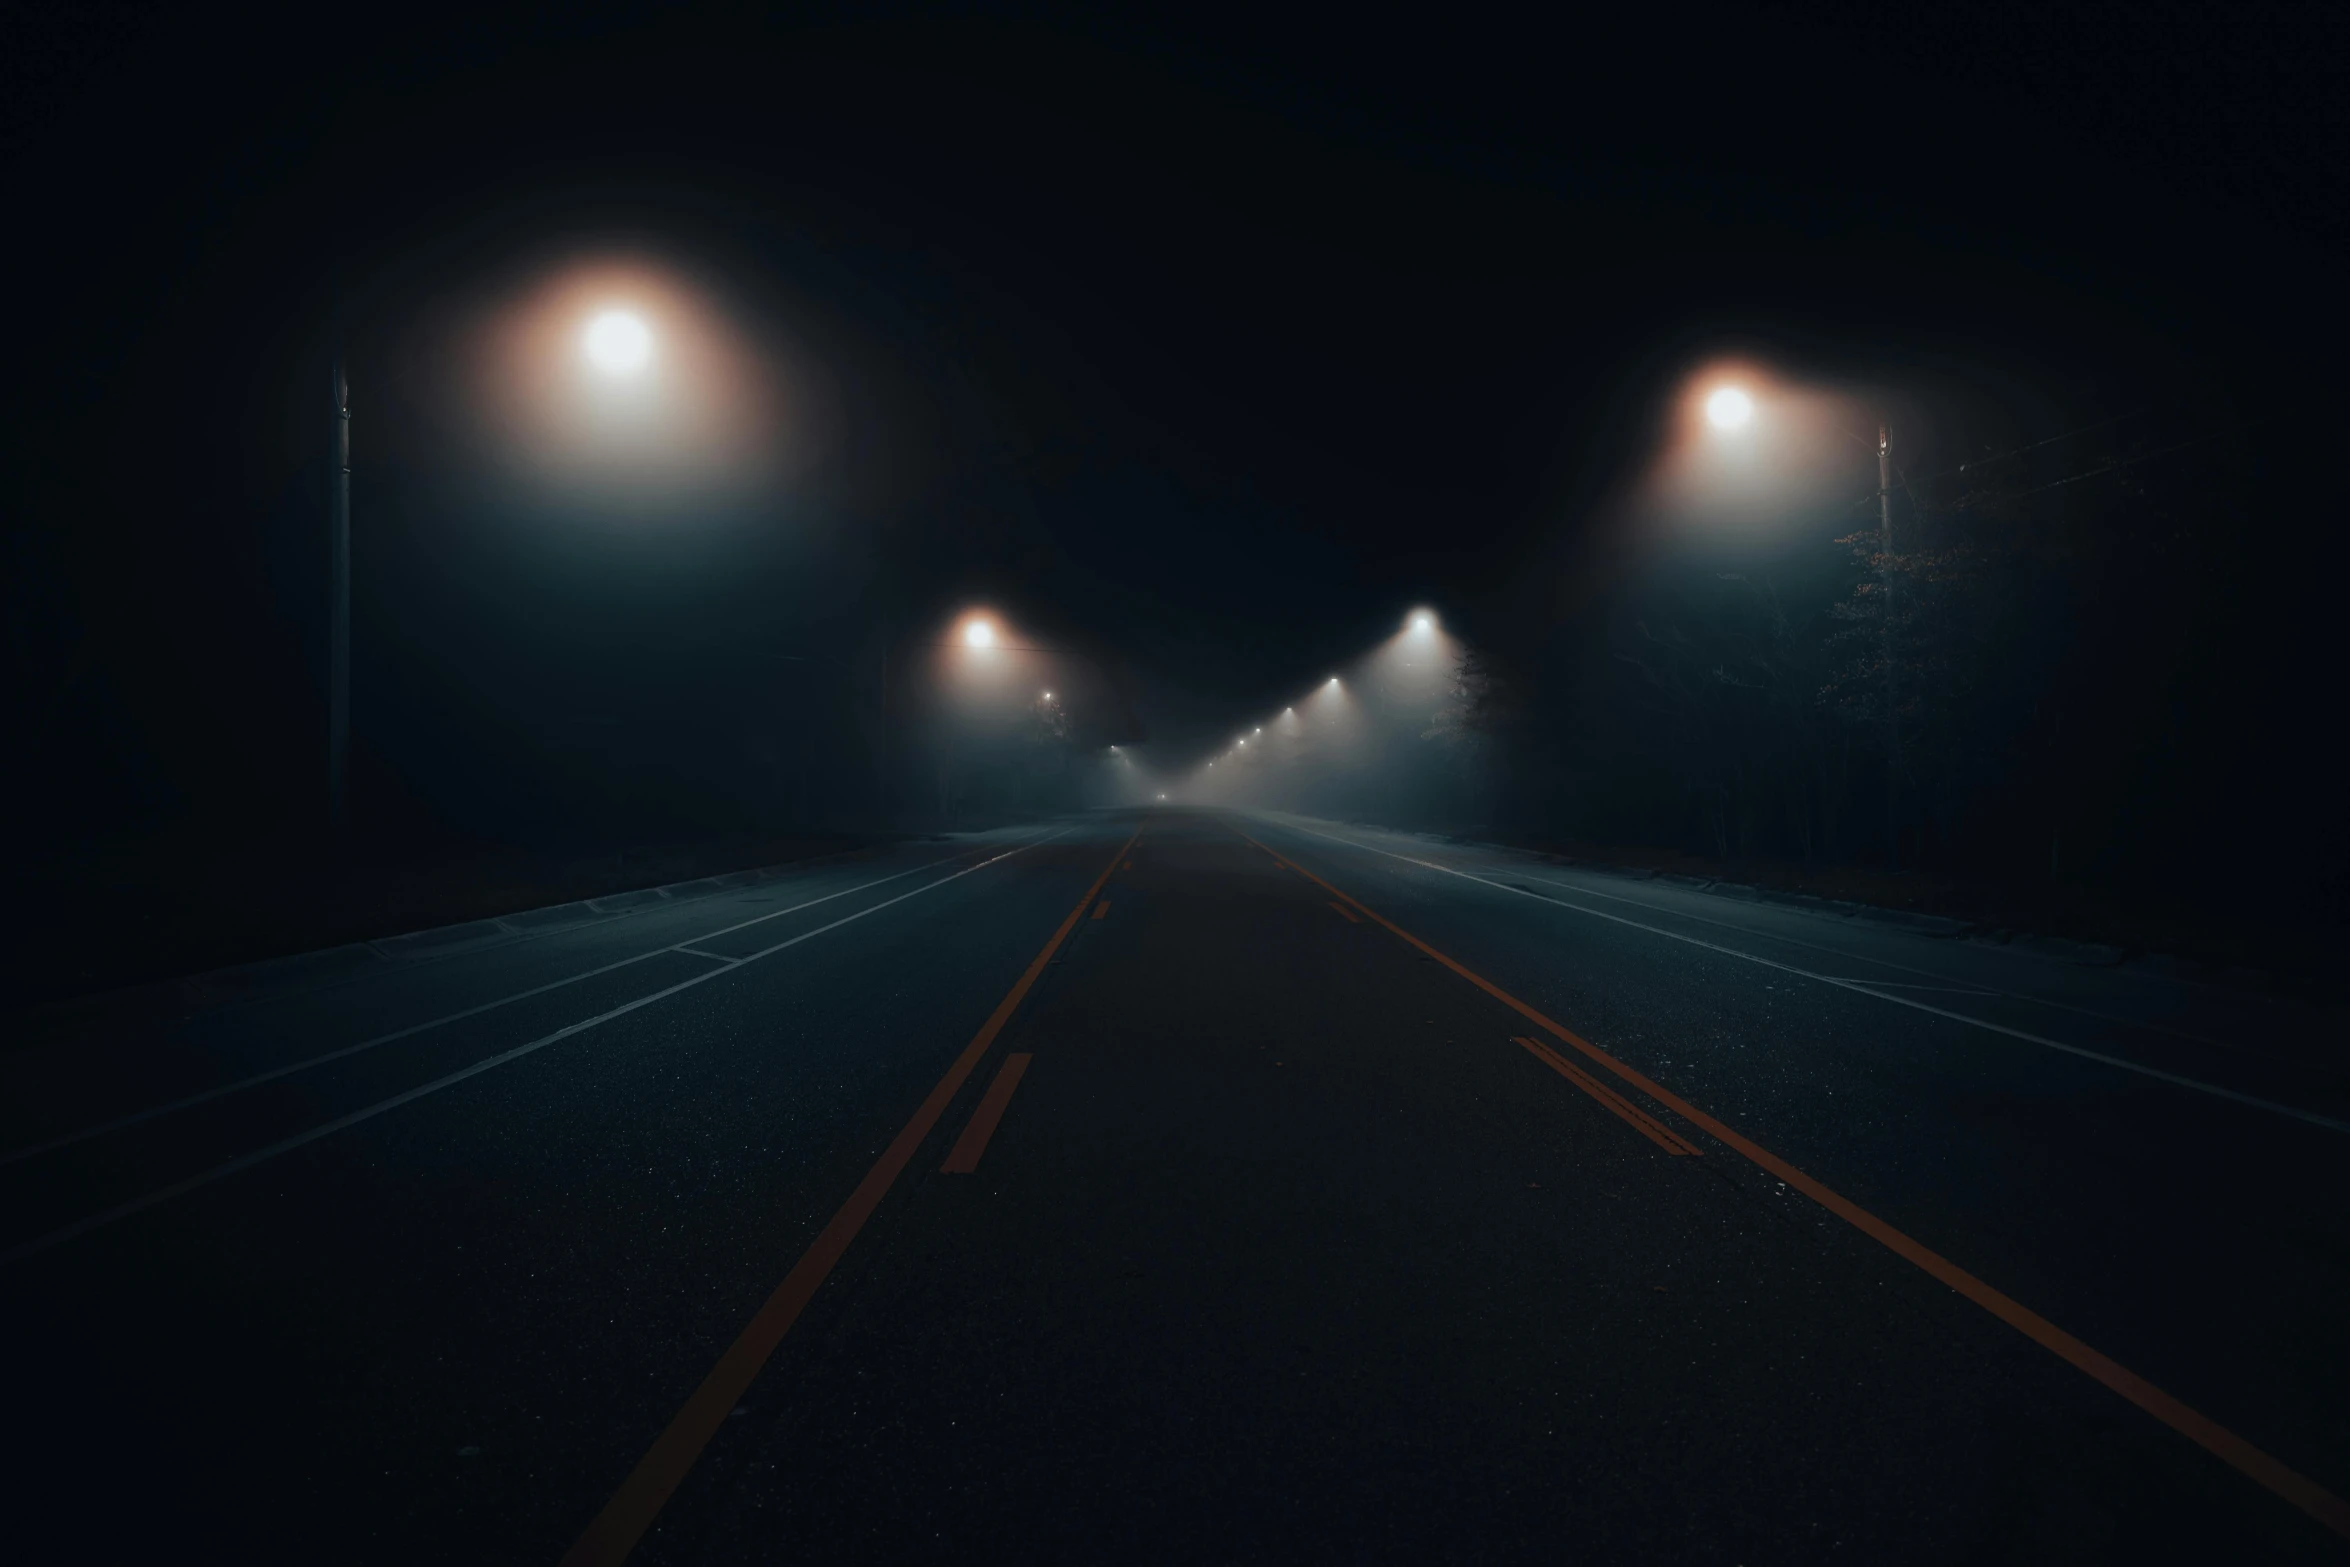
(715,957)
(413,962)
(164,1194)
(2025,997)
(101,1128)
(2197,1084)
(1895,984)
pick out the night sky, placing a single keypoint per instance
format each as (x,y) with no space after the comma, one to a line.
(1208,349)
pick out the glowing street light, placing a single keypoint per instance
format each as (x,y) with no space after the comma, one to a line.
(618,342)
(1729,409)
(979,633)
(615,342)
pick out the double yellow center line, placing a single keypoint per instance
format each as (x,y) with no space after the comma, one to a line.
(657,1475)
(2197,1427)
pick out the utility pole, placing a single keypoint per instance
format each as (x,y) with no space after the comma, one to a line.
(1892,664)
(338,600)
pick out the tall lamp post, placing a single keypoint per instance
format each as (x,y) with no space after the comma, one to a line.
(1892,664)
(616,343)
(1730,409)
(338,602)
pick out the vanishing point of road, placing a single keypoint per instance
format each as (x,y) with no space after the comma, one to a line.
(1178,1187)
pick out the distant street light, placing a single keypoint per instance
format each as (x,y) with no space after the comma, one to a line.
(986,650)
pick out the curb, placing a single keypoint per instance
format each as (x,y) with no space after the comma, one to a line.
(2096,954)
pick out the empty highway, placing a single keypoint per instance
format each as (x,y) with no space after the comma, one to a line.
(1179,1186)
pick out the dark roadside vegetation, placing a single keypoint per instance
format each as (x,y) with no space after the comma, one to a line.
(2087,713)
(96,917)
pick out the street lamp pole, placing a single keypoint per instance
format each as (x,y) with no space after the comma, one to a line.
(882,790)
(1730,408)
(1892,661)
(338,602)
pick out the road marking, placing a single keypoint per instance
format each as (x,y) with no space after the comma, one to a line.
(164,1194)
(2190,1423)
(118,1123)
(963,1159)
(1101,910)
(1624,1109)
(2138,1024)
(1346,913)
(1861,987)
(616,1530)
(1129,865)
(715,957)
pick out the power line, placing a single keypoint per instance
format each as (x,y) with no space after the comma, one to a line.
(1870,499)
(1985,462)
(2118,463)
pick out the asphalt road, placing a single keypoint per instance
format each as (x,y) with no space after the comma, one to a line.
(1188,1187)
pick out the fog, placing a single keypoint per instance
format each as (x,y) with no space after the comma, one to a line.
(1383,736)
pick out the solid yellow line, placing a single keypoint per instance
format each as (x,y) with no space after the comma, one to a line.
(624,1520)
(1616,1104)
(964,1157)
(2190,1423)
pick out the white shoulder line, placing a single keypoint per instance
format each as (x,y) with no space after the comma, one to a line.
(2050,1002)
(164,1194)
(205,1096)
(1860,988)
